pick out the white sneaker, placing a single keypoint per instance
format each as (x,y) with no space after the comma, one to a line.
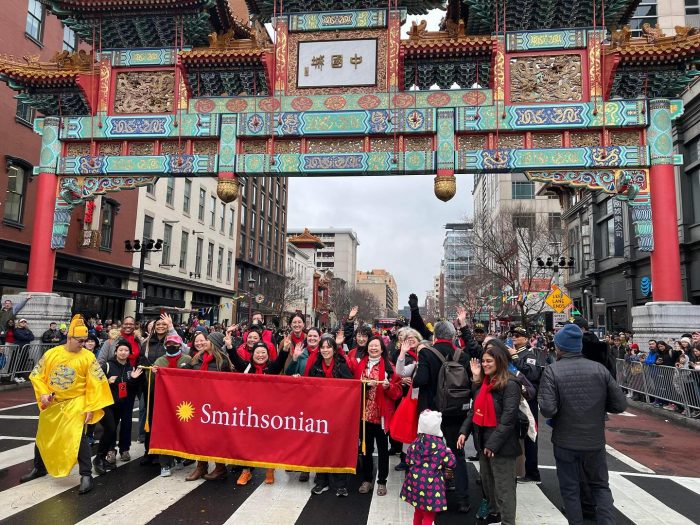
(165,472)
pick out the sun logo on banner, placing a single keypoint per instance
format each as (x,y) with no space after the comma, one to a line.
(185,411)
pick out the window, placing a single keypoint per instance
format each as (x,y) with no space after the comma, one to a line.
(25,114)
(222,226)
(147,232)
(220,264)
(210,260)
(184,241)
(243,217)
(692,7)
(170,191)
(524,220)
(198,257)
(167,242)
(151,189)
(35,20)
(251,250)
(252,222)
(106,224)
(202,204)
(230,222)
(262,228)
(69,40)
(242,247)
(186,196)
(523,190)
(16,189)
(255,195)
(212,211)
(607,237)
(644,14)
(229,266)
(554,221)
(260,253)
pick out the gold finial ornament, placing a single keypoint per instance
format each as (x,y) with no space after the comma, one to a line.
(445,187)
(227,190)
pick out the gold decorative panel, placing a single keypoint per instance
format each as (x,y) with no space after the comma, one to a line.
(511,141)
(471,142)
(336,145)
(205,147)
(583,139)
(287,146)
(141,148)
(254,146)
(552,78)
(385,144)
(172,147)
(77,149)
(144,92)
(110,148)
(546,140)
(418,143)
(624,138)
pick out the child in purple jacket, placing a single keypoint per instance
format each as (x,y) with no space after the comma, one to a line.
(427,457)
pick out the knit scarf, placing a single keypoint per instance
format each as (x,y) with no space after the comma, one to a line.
(484,408)
(328,369)
(206,359)
(448,341)
(296,340)
(313,354)
(259,368)
(135,348)
(172,360)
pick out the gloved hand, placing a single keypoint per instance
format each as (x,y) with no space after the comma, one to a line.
(413,301)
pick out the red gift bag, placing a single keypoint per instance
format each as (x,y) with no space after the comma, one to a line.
(404,424)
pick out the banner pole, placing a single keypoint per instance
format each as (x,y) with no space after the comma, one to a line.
(146,426)
(364,421)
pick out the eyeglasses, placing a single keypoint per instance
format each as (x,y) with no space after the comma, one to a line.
(81,341)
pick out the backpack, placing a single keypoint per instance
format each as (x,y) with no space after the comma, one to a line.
(453,391)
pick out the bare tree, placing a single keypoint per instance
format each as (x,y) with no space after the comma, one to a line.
(507,247)
(471,293)
(343,298)
(284,292)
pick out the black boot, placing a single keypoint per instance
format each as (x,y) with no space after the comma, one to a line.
(85,484)
(33,474)
(99,464)
(147,460)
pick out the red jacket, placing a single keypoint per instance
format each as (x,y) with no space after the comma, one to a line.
(244,353)
(352,361)
(385,398)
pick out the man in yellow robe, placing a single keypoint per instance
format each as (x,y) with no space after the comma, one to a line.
(71,390)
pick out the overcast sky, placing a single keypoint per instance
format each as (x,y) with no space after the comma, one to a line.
(399,221)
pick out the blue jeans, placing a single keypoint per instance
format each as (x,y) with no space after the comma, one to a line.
(572,466)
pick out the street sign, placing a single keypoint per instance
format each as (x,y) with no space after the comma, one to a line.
(559,319)
(558,300)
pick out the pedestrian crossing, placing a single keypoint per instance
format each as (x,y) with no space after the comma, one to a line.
(138,495)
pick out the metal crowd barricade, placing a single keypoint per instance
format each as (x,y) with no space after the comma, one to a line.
(680,386)
(22,360)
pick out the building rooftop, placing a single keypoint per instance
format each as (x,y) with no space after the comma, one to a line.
(349,231)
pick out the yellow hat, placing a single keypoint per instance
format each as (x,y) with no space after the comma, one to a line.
(77,327)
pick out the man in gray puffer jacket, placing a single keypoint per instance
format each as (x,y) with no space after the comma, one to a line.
(576,393)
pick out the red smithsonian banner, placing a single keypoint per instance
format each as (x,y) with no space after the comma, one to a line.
(299,423)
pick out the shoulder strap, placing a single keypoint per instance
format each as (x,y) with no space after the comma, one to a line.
(437,353)
(247,368)
(457,355)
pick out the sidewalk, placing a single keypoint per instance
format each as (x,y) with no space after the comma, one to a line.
(657,442)
(12,394)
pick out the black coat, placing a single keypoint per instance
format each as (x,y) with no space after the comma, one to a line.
(122,372)
(598,351)
(340,368)
(576,393)
(503,439)
(427,371)
(272,367)
(525,360)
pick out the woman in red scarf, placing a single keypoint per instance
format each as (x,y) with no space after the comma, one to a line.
(259,363)
(494,423)
(330,363)
(210,357)
(383,388)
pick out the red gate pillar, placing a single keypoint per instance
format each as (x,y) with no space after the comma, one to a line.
(42,259)
(665,259)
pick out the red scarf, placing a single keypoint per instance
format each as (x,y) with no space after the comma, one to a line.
(484,408)
(172,361)
(135,348)
(412,352)
(206,359)
(259,369)
(313,354)
(328,369)
(448,341)
(296,340)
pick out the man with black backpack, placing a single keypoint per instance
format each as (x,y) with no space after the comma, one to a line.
(442,377)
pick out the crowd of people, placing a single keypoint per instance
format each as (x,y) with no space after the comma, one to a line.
(463,383)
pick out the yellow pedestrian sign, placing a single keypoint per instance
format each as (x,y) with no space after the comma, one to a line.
(558,300)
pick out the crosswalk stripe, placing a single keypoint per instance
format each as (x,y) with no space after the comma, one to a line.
(689,483)
(281,502)
(18,406)
(16,455)
(640,506)
(162,492)
(27,495)
(535,507)
(627,460)
(385,509)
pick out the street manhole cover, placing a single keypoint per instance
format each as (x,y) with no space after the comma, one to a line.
(635,432)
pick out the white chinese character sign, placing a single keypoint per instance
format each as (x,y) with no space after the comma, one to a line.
(337,63)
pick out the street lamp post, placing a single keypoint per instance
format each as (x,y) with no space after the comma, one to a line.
(135,246)
(251,285)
